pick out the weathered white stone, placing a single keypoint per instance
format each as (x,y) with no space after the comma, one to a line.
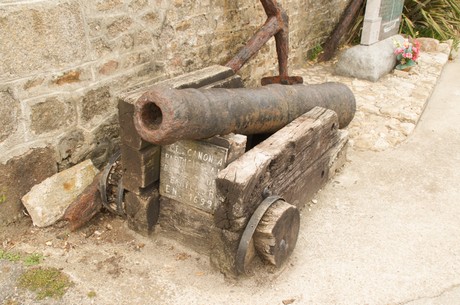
(370,109)
(428,44)
(46,202)
(381,144)
(368,62)
(407,128)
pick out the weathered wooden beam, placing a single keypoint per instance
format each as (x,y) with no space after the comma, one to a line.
(346,20)
(141,168)
(294,163)
(143,210)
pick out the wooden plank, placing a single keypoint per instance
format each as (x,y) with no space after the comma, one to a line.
(142,210)
(224,251)
(194,79)
(280,164)
(141,168)
(186,224)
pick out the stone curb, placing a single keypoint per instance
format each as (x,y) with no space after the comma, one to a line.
(388,110)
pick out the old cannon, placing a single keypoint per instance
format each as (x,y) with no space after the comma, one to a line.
(218,194)
(186,173)
(164,116)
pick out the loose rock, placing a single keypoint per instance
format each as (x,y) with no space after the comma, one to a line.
(46,202)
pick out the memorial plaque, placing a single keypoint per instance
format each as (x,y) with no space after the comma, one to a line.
(381,20)
(188,172)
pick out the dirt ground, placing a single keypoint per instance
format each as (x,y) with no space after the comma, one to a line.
(110,264)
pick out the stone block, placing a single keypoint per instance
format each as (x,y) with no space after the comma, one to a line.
(143,210)
(41,36)
(46,202)
(428,44)
(109,67)
(189,169)
(188,172)
(137,5)
(19,175)
(141,168)
(119,26)
(96,103)
(52,114)
(71,149)
(104,141)
(368,62)
(85,206)
(10,113)
(68,78)
(107,5)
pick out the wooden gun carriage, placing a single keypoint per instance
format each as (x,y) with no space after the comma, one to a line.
(232,197)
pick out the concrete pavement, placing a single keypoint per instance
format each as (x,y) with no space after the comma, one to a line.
(387,229)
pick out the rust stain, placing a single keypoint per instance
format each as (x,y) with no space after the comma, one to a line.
(69,77)
(69,185)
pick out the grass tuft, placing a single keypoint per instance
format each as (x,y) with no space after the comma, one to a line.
(9,256)
(45,282)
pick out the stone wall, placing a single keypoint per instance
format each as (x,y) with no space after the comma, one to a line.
(63,62)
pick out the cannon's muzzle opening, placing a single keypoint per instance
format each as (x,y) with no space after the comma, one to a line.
(151,116)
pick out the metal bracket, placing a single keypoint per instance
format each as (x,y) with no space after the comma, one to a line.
(250,229)
(103,187)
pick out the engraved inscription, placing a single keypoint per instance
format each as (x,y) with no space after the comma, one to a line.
(188,172)
(390,11)
(381,20)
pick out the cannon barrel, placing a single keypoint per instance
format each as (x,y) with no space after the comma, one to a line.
(164,116)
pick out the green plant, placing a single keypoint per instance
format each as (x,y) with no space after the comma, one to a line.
(314,53)
(2,198)
(46,282)
(91,294)
(12,257)
(438,19)
(33,259)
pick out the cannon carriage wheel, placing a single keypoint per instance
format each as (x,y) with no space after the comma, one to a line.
(272,232)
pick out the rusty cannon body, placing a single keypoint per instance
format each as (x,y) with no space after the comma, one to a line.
(164,116)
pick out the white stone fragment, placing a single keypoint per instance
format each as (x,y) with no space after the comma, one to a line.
(46,202)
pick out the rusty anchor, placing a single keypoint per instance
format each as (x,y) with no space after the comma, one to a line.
(277,24)
(164,116)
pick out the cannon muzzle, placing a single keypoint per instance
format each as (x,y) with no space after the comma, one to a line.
(164,116)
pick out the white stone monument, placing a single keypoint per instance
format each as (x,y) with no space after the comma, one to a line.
(381,20)
(374,57)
